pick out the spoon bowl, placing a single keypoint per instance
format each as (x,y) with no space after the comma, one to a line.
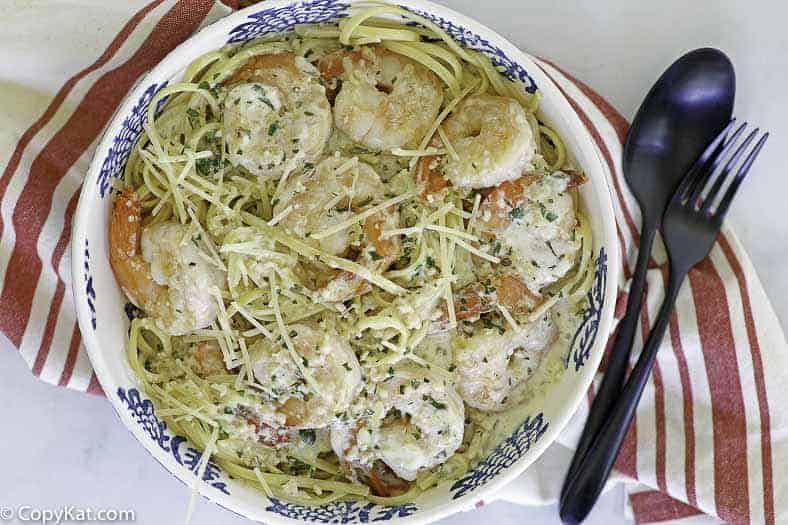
(687,107)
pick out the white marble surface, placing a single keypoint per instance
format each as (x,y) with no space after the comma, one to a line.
(60,447)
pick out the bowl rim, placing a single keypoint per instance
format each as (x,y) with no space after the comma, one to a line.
(168,67)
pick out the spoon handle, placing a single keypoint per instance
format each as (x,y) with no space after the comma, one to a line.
(616,368)
(584,488)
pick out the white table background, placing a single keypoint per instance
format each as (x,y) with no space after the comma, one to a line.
(64,448)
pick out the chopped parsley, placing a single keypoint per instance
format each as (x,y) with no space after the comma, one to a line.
(194,117)
(550,245)
(263,96)
(437,404)
(206,166)
(307,435)
(273,128)
(547,214)
(516,213)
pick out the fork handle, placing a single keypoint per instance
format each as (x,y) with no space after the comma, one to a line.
(616,368)
(584,489)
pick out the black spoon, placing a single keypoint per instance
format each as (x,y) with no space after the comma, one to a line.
(685,110)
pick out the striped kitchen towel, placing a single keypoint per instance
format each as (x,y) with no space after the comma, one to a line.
(711,433)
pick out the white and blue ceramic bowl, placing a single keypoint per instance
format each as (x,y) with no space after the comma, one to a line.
(103,321)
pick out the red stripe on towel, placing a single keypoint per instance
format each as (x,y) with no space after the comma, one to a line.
(727,401)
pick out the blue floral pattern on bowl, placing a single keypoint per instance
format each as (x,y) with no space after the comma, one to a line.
(503,456)
(124,141)
(279,19)
(143,411)
(341,511)
(586,333)
(90,292)
(508,67)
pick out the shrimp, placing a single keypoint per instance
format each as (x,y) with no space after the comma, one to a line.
(243,422)
(429,178)
(328,195)
(534,218)
(308,394)
(276,115)
(206,359)
(160,273)
(386,100)
(409,420)
(493,142)
(382,480)
(504,289)
(491,364)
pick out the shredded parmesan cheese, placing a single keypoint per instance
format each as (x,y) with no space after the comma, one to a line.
(426,152)
(254,322)
(283,332)
(508,316)
(230,357)
(307,251)
(361,216)
(476,252)
(279,216)
(263,483)
(447,143)
(210,448)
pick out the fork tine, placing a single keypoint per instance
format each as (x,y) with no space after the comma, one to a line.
(726,170)
(700,182)
(697,168)
(725,203)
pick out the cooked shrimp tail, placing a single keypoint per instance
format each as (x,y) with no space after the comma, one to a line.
(165,277)
(507,290)
(131,270)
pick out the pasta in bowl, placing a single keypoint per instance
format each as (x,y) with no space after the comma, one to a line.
(353,255)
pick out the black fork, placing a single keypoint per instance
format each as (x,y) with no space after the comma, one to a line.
(690,227)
